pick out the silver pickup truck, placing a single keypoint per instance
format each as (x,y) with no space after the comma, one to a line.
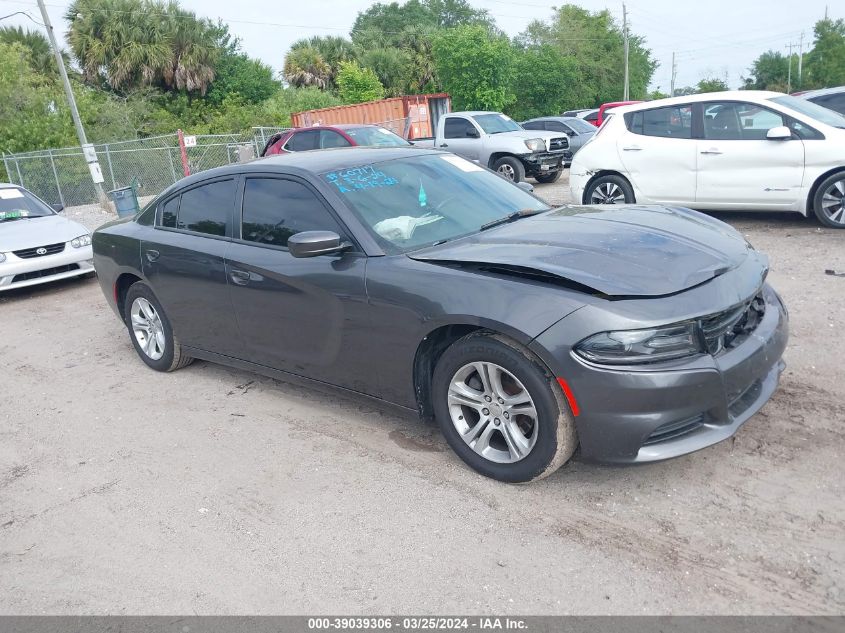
(496,141)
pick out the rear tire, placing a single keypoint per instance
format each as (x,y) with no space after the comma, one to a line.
(510,168)
(610,189)
(829,201)
(513,424)
(549,178)
(150,330)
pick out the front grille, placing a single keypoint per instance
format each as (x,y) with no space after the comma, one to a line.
(49,249)
(47,272)
(727,329)
(558,144)
(672,430)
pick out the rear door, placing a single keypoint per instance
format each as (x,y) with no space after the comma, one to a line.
(308,316)
(185,265)
(738,167)
(659,153)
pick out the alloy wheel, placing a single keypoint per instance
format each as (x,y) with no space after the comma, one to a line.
(607,193)
(493,412)
(147,328)
(833,202)
(506,171)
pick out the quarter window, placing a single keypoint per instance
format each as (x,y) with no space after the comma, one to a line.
(668,122)
(274,209)
(169,211)
(733,121)
(204,209)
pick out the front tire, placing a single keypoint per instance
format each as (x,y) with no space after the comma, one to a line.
(610,189)
(549,178)
(150,330)
(829,201)
(510,168)
(501,410)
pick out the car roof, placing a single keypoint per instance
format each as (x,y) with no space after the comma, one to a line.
(336,126)
(9,185)
(475,112)
(728,95)
(821,92)
(555,118)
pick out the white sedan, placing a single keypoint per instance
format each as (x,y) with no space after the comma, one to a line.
(36,244)
(737,150)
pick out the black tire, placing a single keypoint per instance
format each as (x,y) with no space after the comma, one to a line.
(834,216)
(510,168)
(549,177)
(609,187)
(556,438)
(173,357)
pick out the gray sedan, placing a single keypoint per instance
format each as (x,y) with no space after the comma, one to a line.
(424,281)
(578,130)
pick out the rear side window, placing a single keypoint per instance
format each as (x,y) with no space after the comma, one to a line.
(274,209)
(668,122)
(456,128)
(204,209)
(304,141)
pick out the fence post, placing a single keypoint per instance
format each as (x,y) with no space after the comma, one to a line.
(18,167)
(172,165)
(111,171)
(56,176)
(6,165)
(184,152)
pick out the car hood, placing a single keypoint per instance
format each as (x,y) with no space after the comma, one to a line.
(526,134)
(633,251)
(30,232)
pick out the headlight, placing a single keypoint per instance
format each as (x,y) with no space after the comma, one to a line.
(632,347)
(82,240)
(536,144)
(2,258)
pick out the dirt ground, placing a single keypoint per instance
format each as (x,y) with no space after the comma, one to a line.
(216,491)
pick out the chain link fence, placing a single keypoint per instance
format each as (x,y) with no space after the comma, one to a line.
(60,176)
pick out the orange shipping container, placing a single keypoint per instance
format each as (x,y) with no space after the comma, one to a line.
(411,116)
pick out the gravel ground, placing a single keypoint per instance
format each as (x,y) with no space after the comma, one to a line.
(216,491)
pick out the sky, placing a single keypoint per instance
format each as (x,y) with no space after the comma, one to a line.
(717,38)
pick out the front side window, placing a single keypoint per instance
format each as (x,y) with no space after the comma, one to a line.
(304,141)
(733,121)
(666,122)
(533,125)
(557,126)
(456,127)
(204,209)
(274,209)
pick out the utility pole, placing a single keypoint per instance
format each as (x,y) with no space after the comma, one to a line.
(789,72)
(626,95)
(800,58)
(674,73)
(87,149)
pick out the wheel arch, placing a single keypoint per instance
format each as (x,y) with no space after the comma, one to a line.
(498,155)
(604,172)
(810,208)
(121,286)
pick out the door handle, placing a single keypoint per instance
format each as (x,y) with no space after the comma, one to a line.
(152,255)
(713,152)
(444,145)
(632,148)
(240,277)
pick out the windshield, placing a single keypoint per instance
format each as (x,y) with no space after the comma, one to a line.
(16,204)
(496,123)
(580,126)
(810,109)
(377,136)
(408,203)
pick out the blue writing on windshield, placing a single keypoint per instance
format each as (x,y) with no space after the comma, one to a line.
(359,179)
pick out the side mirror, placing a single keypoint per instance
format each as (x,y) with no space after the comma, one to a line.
(780,133)
(313,243)
(525,186)
(58,208)
(472,133)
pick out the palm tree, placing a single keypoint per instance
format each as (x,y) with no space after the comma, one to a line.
(304,66)
(40,53)
(333,49)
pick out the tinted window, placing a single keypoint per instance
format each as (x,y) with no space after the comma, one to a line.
(275,209)
(738,121)
(533,125)
(835,102)
(457,128)
(328,138)
(668,122)
(556,126)
(169,210)
(304,141)
(207,208)
(580,126)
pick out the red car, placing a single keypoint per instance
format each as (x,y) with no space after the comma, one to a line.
(304,139)
(607,106)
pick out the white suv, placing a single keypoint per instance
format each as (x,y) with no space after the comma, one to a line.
(737,150)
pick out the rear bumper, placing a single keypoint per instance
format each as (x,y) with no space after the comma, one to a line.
(640,416)
(16,272)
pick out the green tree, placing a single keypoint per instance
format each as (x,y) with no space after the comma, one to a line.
(129,44)
(711,85)
(391,66)
(357,85)
(40,53)
(826,60)
(546,82)
(332,50)
(304,67)
(476,67)
(768,72)
(389,21)
(277,109)
(656,94)
(238,74)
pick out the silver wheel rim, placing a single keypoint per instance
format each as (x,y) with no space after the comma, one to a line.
(493,412)
(833,202)
(607,193)
(507,171)
(147,328)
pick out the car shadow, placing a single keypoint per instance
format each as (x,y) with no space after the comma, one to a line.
(47,288)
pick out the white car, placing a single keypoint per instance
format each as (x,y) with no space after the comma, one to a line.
(36,244)
(737,150)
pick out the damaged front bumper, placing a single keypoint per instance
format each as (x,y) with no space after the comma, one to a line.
(544,162)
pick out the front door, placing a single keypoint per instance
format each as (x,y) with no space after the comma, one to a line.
(307,316)
(738,167)
(185,265)
(659,142)
(457,139)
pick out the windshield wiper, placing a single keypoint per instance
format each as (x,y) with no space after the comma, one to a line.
(510,217)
